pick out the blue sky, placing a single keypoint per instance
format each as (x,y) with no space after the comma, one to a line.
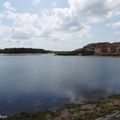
(58,24)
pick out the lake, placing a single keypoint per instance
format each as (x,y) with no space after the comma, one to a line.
(39,82)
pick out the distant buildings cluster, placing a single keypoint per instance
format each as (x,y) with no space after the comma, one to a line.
(102,48)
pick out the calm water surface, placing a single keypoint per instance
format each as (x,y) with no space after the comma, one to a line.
(33,83)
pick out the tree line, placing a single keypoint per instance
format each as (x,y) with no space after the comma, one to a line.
(23,50)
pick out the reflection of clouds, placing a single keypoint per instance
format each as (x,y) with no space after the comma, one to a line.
(115,83)
(80,95)
(88,91)
(36,84)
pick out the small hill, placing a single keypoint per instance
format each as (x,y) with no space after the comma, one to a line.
(103,48)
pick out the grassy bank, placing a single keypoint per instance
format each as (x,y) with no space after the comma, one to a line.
(88,111)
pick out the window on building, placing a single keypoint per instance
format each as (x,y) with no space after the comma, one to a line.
(104,50)
(113,50)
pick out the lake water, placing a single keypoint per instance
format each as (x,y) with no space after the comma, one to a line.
(37,82)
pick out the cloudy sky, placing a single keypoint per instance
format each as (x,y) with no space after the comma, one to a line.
(58,24)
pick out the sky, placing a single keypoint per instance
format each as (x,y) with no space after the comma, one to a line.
(58,24)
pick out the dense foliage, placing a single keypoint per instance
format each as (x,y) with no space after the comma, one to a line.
(22,50)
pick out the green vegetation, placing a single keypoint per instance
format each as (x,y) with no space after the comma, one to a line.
(23,50)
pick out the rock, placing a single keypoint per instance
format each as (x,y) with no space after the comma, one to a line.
(65,114)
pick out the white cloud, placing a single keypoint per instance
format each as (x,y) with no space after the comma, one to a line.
(36,2)
(9,6)
(79,14)
(117,33)
(3,30)
(95,10)
(23,26)
(70,23)
(116,25)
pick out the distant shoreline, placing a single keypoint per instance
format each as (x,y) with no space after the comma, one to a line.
(53,54)
(93,49)
(12,54)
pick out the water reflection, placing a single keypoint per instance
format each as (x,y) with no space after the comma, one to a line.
(33,83)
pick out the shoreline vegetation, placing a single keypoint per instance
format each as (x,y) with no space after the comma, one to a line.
(24,51)
(105,109)
(93,49)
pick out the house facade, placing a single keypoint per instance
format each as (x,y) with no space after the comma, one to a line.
(103,48)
